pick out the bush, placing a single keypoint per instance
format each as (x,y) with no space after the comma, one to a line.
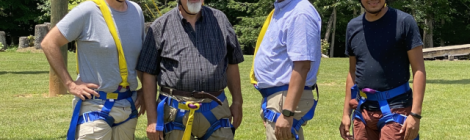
(31,40)
(325,46)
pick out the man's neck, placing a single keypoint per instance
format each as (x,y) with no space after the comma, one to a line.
(373,17)
(118,6)
(190,18)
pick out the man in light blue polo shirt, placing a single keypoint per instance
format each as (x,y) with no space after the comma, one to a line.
(285,68)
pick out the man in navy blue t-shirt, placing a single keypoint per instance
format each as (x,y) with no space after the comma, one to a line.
(381,45)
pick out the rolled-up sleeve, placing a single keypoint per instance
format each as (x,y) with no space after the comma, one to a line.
(149,57)
(303,38)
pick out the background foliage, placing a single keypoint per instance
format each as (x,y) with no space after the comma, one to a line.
(447,22)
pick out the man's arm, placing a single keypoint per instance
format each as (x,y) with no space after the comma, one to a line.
(140,103)
(51,47)
(419,78)
(233,82)
(411,125)
(149,89)
(296,88)
(346,121)
(296,84)
(349,83)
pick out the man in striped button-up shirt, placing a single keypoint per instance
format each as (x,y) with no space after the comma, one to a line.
(189,50)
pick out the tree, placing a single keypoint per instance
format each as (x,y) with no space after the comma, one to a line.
(17,16)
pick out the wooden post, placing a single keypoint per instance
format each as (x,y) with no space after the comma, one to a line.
(59,9)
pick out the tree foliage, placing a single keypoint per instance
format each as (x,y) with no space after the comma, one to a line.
(450,19)
(18,17)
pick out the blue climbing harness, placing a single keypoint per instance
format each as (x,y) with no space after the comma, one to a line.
(381,97)
(91,116)
(177,124)
(271,115)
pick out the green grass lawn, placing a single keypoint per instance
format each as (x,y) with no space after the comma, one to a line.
(27,113)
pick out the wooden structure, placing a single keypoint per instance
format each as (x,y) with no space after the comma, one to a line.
(449,52)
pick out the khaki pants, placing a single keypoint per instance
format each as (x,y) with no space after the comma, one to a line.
(100,130)
(200,123)
(275,103)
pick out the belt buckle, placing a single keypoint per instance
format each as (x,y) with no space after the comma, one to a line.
(111,95)
(228,125)
(363,94)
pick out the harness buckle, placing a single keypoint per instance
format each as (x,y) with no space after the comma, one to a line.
(111,95)
(225,123)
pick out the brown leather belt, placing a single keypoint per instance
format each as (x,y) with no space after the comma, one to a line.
(195,94)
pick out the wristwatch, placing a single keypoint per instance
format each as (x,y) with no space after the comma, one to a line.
(417,116)
(287,113)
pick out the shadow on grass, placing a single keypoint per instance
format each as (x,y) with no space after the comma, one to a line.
(437,81)
(23,72)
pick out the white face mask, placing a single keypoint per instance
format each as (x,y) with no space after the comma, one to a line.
(194,7)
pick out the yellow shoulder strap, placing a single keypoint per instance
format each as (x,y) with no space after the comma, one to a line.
(258,43)
(112,28)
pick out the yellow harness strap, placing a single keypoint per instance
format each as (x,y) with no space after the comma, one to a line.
(112,28)
(258,43)
(189,123)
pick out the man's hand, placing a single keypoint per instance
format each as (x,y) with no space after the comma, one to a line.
(283,127)
(81,89)
(410,128)
(152,134)
(237,114)
(140,103)
(344,128)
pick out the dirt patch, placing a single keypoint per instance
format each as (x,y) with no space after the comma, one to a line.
(328,84)
(30,49)
(24,95)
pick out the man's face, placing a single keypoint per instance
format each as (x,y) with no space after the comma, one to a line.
(373,6)
(193,6)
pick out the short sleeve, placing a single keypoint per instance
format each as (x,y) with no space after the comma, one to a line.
(303,38)
(413,37)
(234,51)
(149,57)
(348,51)
(71,26)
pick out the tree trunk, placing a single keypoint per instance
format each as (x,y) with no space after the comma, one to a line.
(328,28)
(332,47)
(442,40)
(355,12)
(3,40)
(39,33)
(59,9)
(428,34)
(23,42)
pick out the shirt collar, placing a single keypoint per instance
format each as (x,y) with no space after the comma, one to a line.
(177,12)
(280,5)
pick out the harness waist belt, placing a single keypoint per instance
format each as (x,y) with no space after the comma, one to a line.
(195,94)
(373,95)
(112,95)
(266,92)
